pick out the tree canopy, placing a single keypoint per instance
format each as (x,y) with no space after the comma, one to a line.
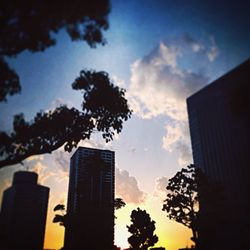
(142,230)
(104,109)
(9,81)
(32,25)
(196,202)
(182,204)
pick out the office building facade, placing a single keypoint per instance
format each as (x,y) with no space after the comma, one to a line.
(90,207)
(219,121)
(23,213)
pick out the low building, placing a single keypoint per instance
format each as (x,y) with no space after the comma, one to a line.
(23,213)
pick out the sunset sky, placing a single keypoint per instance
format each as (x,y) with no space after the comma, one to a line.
(160,52)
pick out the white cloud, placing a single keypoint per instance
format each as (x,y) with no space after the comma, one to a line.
(36,164)
(118,81)
(43,172)
(127,187)
(96,141)
(173,135)
(163,55)
(177,138)
(62,160)
(35,158)
(159,86)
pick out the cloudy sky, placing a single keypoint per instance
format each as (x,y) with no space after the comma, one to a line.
(160,52)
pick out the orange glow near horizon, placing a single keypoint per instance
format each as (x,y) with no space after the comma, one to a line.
(171,235)
(54,234)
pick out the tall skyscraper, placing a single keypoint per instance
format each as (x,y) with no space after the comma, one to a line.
(219,121)
(90,208)
(23,213)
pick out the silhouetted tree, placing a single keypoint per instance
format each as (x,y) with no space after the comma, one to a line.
(104,109)
(182,204)
(142,230)
(197,203)
(9,81)
(60,218)
(60,207)
(119,203)
(31,25)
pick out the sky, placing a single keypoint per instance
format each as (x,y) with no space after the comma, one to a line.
(161,52)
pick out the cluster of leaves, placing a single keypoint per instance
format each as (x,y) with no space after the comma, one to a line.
(182,204)
(60,218)
(30,25)
(9,81)
(104,109)
(119,203)
(196,202)
(103,101)
(142,230)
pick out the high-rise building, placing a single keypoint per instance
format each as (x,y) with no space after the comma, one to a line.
(90,208)
(23,213)
(219,121)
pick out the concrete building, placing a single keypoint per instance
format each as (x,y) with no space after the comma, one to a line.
(219,121)
(90,207)
(23,213)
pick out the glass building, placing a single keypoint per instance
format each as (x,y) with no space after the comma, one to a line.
(90,208)
(219,122)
